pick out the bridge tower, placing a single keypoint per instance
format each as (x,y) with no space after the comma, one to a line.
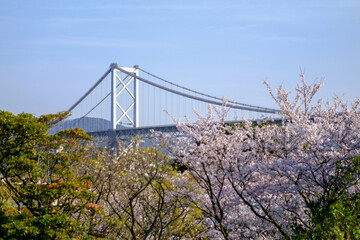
(117,107)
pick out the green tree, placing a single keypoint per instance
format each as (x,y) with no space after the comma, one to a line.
(141,194)
(336,216)
(40,196)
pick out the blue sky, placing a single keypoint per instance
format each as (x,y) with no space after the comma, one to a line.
(52,52)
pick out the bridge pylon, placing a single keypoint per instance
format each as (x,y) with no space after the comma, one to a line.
(118,110)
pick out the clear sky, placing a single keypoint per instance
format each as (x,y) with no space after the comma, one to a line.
(52,52)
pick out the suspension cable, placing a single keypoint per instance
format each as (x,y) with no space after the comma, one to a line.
(203,94)
(101,101)
(220,103)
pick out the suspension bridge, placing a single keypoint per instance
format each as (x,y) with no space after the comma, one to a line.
(127,101)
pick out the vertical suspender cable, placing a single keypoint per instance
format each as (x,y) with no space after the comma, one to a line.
(160,107)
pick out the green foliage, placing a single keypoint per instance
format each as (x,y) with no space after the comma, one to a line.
(141,195)
(57,187)
(40,196)
(47,226)
(338,215)
(177,165)
(341,220)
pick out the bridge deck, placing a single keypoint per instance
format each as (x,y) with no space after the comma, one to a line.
(126,134)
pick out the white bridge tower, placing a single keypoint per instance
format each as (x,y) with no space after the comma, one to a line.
(118,110)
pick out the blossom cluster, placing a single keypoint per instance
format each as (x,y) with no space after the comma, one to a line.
(257,180)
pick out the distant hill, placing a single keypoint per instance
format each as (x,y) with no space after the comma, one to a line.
(89,124)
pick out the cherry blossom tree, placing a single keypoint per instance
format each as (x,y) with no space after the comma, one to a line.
(260,181)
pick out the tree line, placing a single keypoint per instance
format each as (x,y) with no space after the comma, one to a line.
(299,180)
